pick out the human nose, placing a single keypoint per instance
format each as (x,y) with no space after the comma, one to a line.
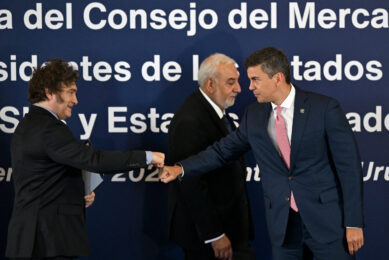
(237,88)
(251,86)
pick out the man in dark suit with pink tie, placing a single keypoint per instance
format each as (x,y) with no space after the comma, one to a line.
(310,165)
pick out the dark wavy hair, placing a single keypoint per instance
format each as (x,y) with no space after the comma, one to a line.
(272,61)
(52,75)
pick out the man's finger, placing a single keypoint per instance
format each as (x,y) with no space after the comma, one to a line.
(351,248)
(162,173)
(223,254)
(359,244)
(230,254)
(217,253)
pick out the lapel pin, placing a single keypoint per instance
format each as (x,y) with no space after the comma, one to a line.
(302,110)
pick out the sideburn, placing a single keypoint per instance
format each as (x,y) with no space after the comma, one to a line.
(59,98)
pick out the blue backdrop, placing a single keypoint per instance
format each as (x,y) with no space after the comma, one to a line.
(138,61)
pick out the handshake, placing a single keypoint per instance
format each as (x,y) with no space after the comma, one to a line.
(167,173)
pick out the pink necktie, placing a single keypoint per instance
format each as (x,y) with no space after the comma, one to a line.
(283,144)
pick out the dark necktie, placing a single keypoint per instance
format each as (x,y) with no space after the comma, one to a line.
(228,123)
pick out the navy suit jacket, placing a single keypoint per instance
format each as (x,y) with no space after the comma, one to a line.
(325,173)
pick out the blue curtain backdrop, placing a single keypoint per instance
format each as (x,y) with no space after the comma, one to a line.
(138,61)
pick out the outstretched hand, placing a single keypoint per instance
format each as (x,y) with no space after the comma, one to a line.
(170,173)
(158,159)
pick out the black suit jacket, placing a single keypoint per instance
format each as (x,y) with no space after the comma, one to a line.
(48,215)
(205,207)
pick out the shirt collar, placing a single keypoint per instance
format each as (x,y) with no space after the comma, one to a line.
(289,100)
(219,112)
(48,110)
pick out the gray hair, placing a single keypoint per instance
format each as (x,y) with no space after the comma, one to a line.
(208,68)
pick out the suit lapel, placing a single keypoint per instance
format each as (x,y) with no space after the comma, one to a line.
(300,115)
(266,117)
(212,113)
(275,154)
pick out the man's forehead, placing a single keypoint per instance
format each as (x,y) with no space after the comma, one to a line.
(228,71)
(255,70)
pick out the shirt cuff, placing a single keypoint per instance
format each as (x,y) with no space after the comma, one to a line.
(149,157)
(213,239)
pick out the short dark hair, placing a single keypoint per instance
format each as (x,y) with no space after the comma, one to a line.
(272,61)
(51,76)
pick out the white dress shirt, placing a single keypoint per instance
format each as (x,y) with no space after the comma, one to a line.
(219,112)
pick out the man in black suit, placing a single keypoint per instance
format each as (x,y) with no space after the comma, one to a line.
(48,217)
(209,215)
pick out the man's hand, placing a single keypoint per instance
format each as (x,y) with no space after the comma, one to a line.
(170,173)
(222,248)
(89,199)
(158,159)
(354,238)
